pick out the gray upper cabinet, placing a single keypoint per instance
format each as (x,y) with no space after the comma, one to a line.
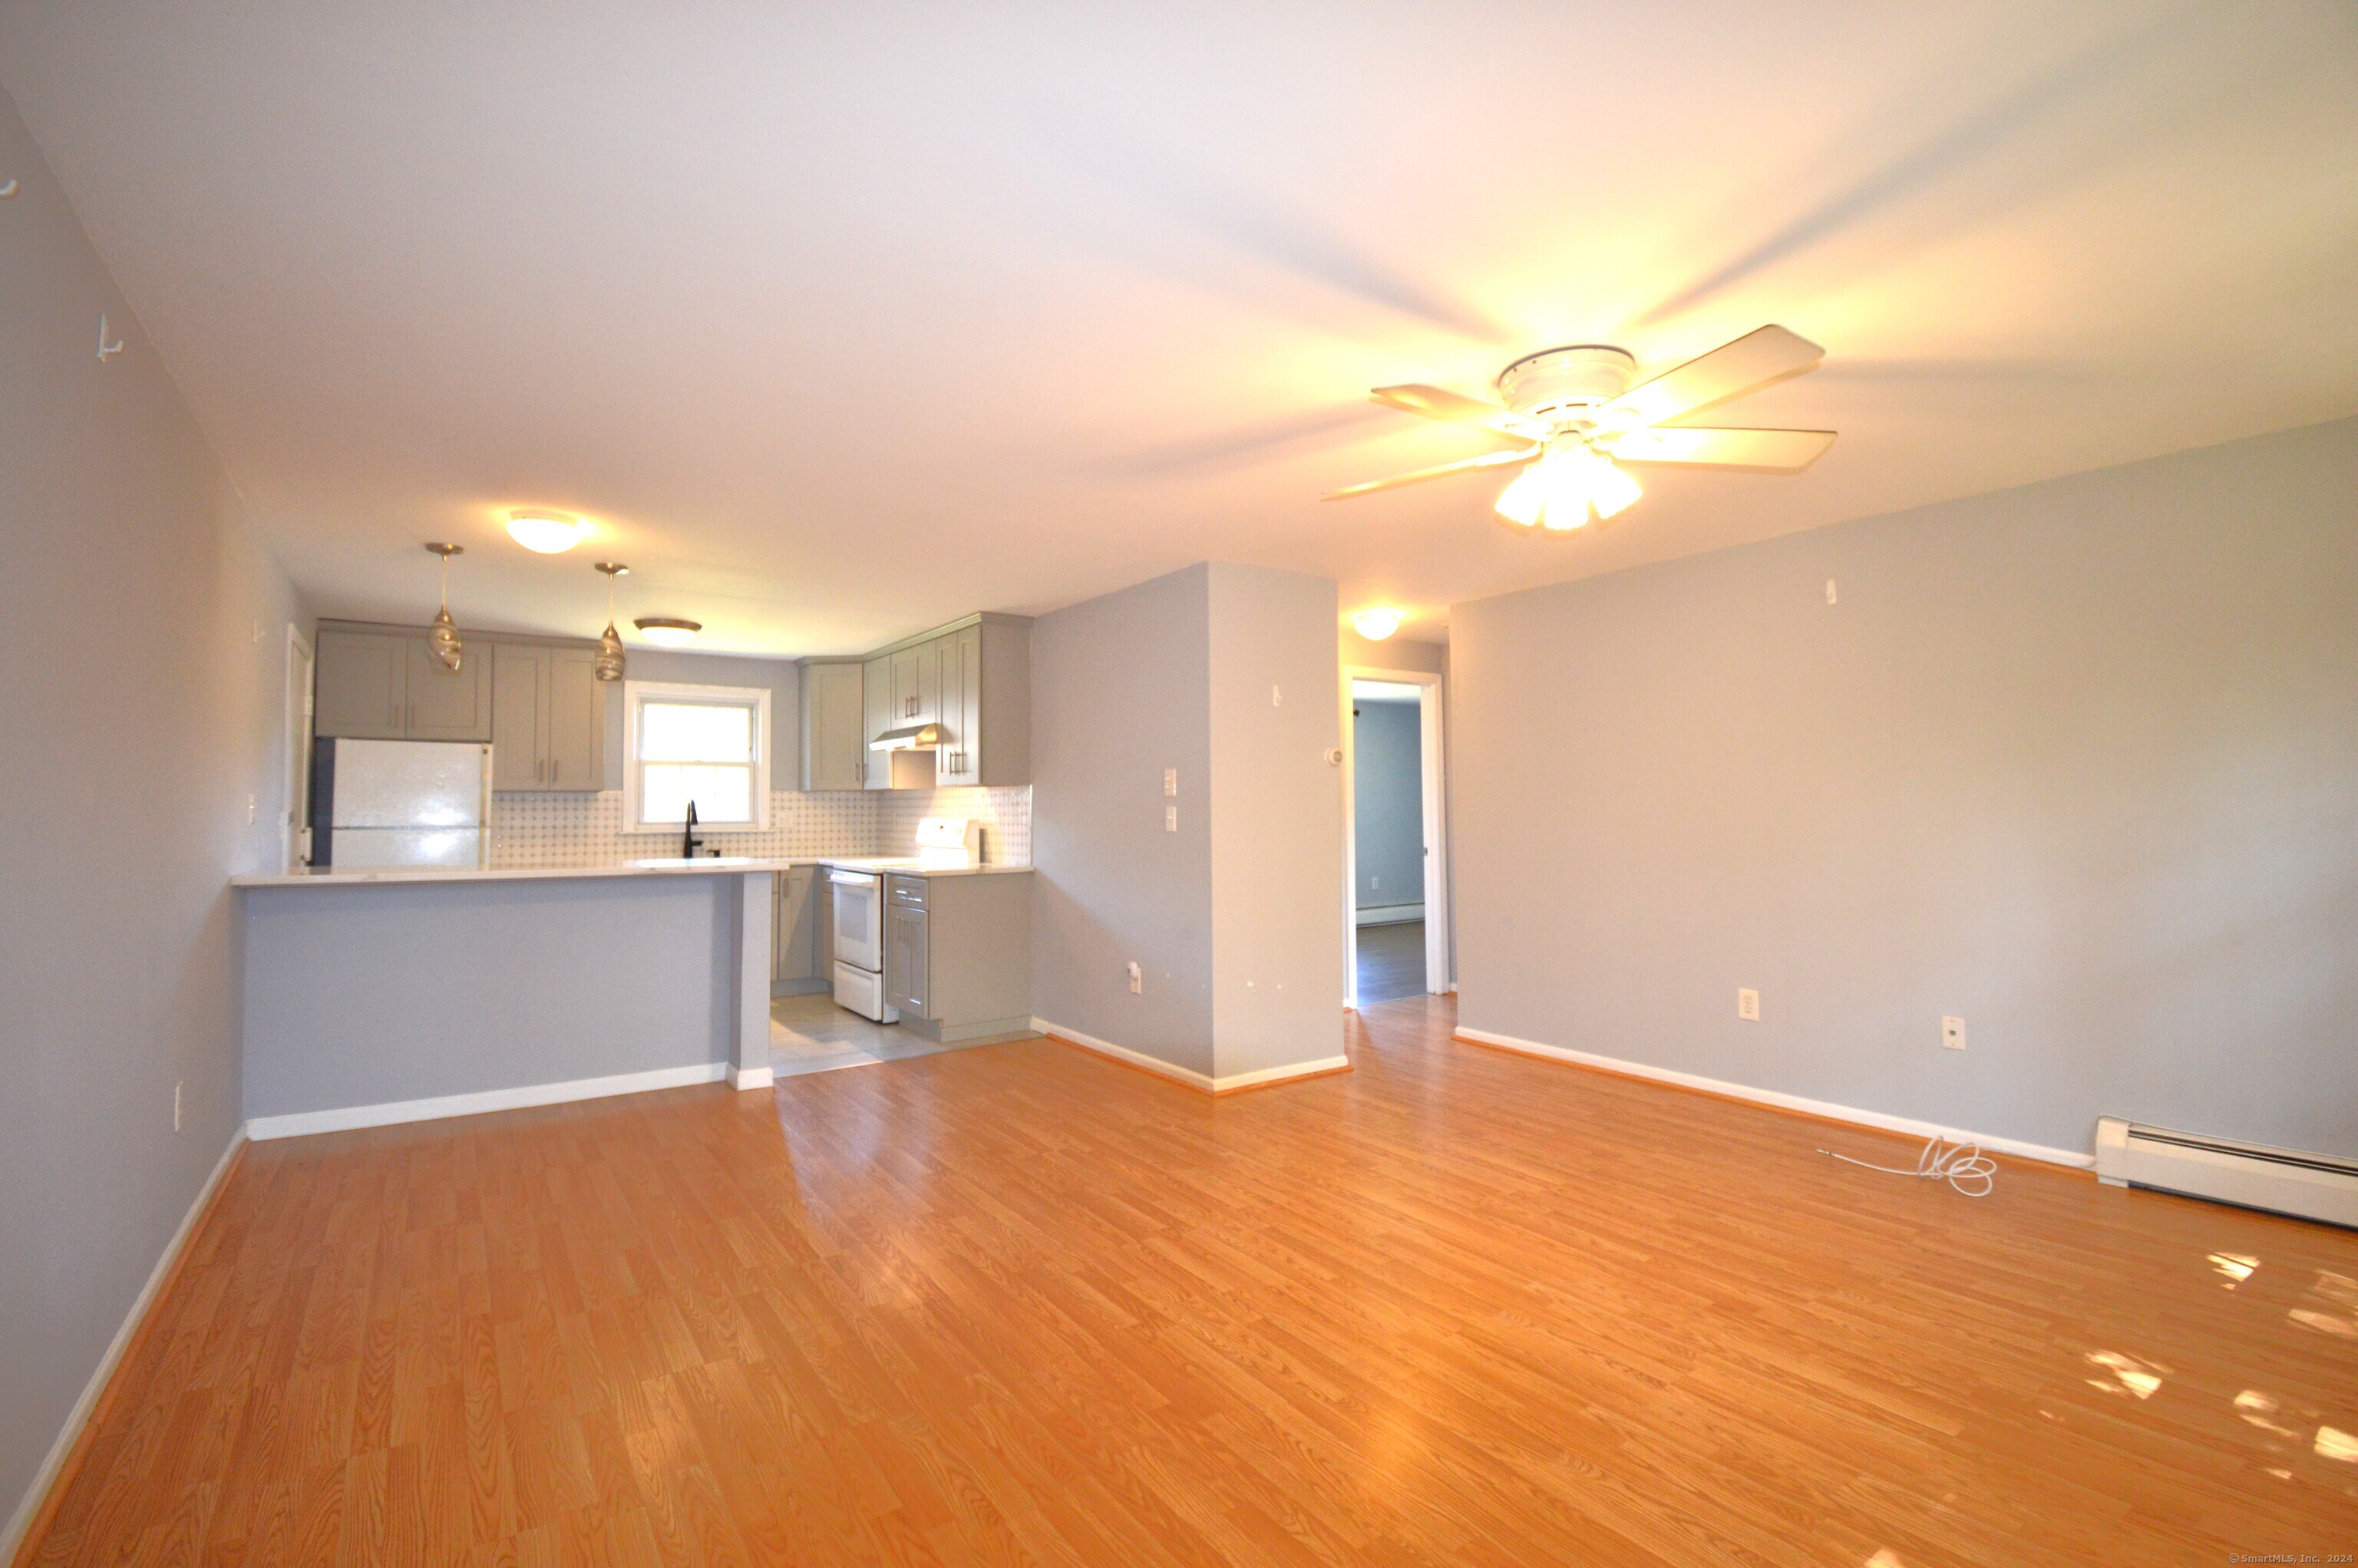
(548,719)
(362,684)
(835,752)
(960,659)
(519,716)
(974,680)
(577,720)
(446,704)
(877,707)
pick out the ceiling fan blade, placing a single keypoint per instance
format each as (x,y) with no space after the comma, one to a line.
(1755,360)
(1417,476)
(1435,402)
(1766,451)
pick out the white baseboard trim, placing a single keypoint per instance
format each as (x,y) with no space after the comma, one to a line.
(751,1077)
(1389,914)
(11,1537)
(1785,1101)
(1188,1076)
(302,1123)
(1172,1070)
(1279,1075)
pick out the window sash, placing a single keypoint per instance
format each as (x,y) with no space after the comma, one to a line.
(730,792)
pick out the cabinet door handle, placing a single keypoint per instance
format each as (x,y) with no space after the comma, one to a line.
(555,769)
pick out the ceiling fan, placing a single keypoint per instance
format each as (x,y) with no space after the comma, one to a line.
(1579,419)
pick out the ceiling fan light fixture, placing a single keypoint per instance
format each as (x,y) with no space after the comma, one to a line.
(1376,624)
(544,532)
(1523,501)
(667,631)
(1611,488)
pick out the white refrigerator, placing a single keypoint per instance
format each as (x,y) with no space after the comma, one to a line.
(400,803)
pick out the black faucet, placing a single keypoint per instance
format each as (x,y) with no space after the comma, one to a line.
(687,844)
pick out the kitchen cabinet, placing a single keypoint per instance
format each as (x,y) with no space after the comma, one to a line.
(957,955)
(957,761)
(360,688)
(907,963)
(446,704)
(974,680)
(835,750)
(802,951)
(388,685)
(877,702)
(548,718)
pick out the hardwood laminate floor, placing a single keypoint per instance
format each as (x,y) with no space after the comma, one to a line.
(1022,1304)
(1391,961)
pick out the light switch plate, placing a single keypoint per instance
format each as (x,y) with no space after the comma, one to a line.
(1171,819)
(1137,979)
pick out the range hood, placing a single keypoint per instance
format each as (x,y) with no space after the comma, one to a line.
(916,738)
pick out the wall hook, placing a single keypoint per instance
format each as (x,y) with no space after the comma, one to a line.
(106,350)
(7,190)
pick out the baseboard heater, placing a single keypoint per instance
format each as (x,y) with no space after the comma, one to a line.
(2288,1180)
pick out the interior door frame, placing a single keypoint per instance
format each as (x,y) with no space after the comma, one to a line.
(301,715)
(1438,916)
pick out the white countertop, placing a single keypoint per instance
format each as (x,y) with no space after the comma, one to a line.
(709,866)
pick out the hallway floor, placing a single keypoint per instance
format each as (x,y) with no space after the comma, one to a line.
(1391,961)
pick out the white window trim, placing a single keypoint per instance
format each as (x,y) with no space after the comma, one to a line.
(636,692)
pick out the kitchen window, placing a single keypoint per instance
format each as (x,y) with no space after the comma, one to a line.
(709,744)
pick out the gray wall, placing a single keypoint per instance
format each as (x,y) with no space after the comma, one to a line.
(2077,761)
(1120,690)
(1388,819)
(140,692)
(1277,820)
(782,676)
(361,996)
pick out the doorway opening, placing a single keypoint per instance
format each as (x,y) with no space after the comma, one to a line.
(1396,910)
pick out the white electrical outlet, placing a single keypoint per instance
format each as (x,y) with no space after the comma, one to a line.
(176,1104)
(1171,781)
(1952,1033)
(1137,979)
(1171,819)
(1747,1006)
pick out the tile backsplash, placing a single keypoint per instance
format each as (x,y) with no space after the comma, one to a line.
(533,830)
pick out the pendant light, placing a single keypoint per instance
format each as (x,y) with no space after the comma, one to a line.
(442,637)
(610,664)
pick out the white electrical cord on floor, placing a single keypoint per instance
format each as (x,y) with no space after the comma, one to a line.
(1963,1165)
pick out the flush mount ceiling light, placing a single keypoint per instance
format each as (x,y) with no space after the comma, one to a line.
(609,664)
(442,637)
(1375,625)
(1580,419)
(549,533)
(667,631)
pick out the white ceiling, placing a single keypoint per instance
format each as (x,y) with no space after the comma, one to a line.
(843,321)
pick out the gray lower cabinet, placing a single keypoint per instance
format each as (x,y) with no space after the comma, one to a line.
(801,950)
(835,753)
(548,718)
(957,955)
(388,685)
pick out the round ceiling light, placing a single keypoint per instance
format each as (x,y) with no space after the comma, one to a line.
(667,631)
(1375,625)
(549,533)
